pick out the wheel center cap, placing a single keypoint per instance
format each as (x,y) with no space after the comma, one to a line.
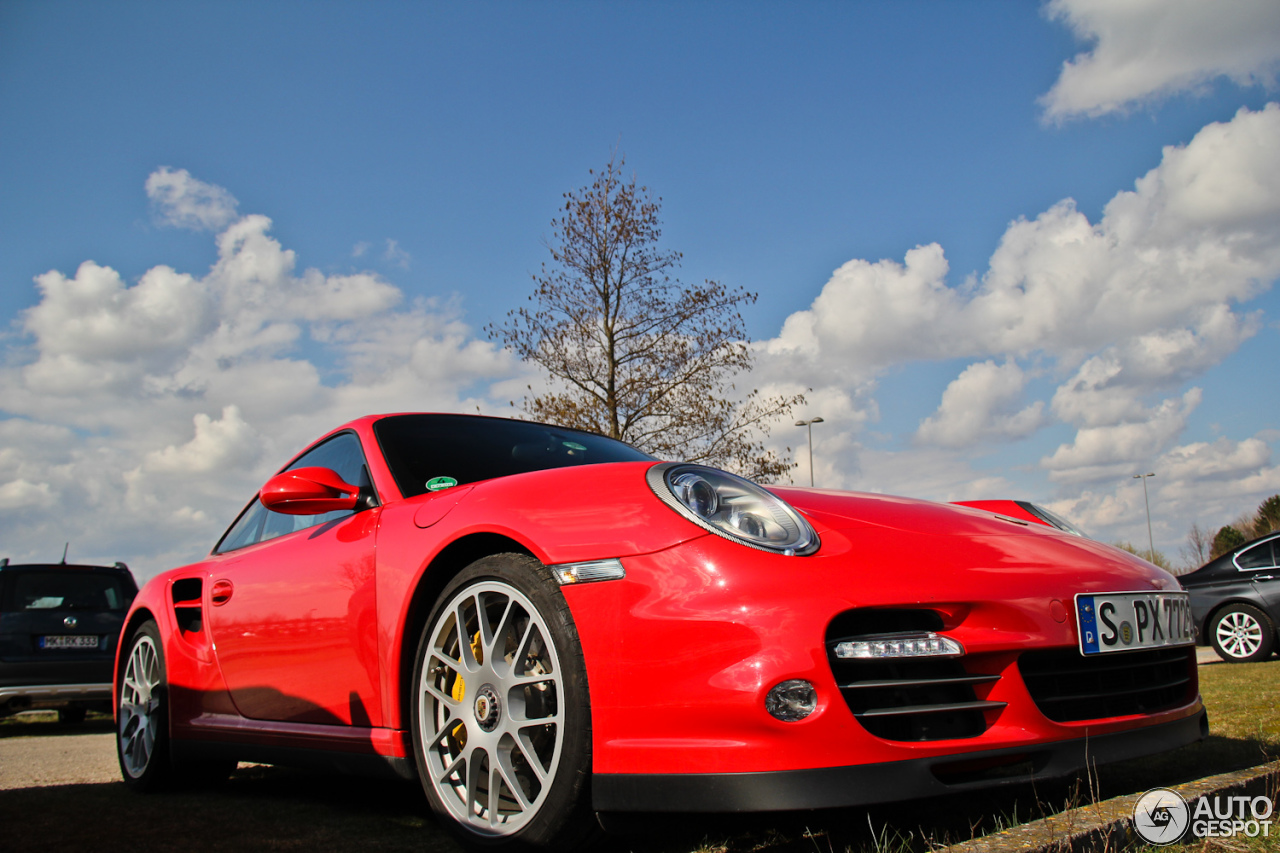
(487,709)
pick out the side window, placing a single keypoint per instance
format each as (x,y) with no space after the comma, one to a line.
(246,531)
(1260,556)
(341,454)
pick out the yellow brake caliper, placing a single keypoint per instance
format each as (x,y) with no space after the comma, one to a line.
(459,690)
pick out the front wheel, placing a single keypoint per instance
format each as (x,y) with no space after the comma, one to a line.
(1241,633)
(501,720)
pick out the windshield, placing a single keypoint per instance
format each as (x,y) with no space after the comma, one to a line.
(1053,518)
(65,589)
(432,452)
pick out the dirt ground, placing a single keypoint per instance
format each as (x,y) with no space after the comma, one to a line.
(36,751)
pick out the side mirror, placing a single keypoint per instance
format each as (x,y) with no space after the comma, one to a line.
(308,491)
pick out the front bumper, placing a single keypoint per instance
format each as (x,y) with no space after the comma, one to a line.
(867,784)
(682,653)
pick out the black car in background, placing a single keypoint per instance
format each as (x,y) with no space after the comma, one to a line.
(1235,600)
(59,626)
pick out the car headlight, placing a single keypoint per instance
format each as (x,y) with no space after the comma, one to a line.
(733,507)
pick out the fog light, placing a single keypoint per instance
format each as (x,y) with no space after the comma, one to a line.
(791,700)
(899,646)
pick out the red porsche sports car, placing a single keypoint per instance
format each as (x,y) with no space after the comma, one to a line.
(540,624)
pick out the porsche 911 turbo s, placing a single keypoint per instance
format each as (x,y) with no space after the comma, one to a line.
(540,624)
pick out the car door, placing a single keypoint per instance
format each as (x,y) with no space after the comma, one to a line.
(1261,564)
(292,606)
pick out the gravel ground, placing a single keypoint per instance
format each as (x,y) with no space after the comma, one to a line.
(34,762)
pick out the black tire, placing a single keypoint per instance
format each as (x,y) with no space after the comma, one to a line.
(143,746)
(1241,633)
(72,715)
(517,723)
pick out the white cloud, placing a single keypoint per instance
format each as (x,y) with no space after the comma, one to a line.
(20,495)
(184,202)
(929,472)
(871,315)
(1197,234)
(981,404)
(1223,459)
(395,255)
(1143,50)
(225,443)
(1103,452)
(96,318)
(1107,388)
(1209,484)
(141,416)
(1139,302)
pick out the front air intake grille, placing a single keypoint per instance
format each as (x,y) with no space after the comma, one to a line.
(1069,687)
(907,699)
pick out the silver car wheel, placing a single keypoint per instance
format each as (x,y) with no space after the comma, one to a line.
(1239,634)
(139,707)
(490,715)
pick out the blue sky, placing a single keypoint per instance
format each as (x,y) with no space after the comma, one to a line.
(412,156)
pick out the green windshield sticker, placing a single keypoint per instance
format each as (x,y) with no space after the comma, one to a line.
(437,484)
(572,446)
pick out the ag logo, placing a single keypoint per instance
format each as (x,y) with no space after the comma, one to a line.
(1160,816)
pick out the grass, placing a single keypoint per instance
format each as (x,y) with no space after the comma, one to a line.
(280,809)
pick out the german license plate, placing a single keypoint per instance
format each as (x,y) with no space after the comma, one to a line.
(69,641)
(1127,621)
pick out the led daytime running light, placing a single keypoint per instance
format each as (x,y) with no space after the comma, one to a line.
(899,646)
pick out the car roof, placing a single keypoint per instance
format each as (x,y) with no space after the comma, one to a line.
(5,565)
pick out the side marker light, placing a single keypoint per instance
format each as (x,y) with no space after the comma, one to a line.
(589,572)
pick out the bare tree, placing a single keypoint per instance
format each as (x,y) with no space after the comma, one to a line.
(1198,547)
(633,353)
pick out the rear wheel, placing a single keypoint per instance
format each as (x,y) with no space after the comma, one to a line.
(1241,633)
(501,721)
(142,731)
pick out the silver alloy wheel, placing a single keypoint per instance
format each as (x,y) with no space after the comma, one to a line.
(140,707)
(490,717)
(1239,634)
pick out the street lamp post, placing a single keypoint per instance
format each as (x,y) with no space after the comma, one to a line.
(809,423)
(1146,500)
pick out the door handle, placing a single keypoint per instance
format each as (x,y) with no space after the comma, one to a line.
(220,593)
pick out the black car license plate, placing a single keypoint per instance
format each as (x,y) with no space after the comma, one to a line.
(69,641)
